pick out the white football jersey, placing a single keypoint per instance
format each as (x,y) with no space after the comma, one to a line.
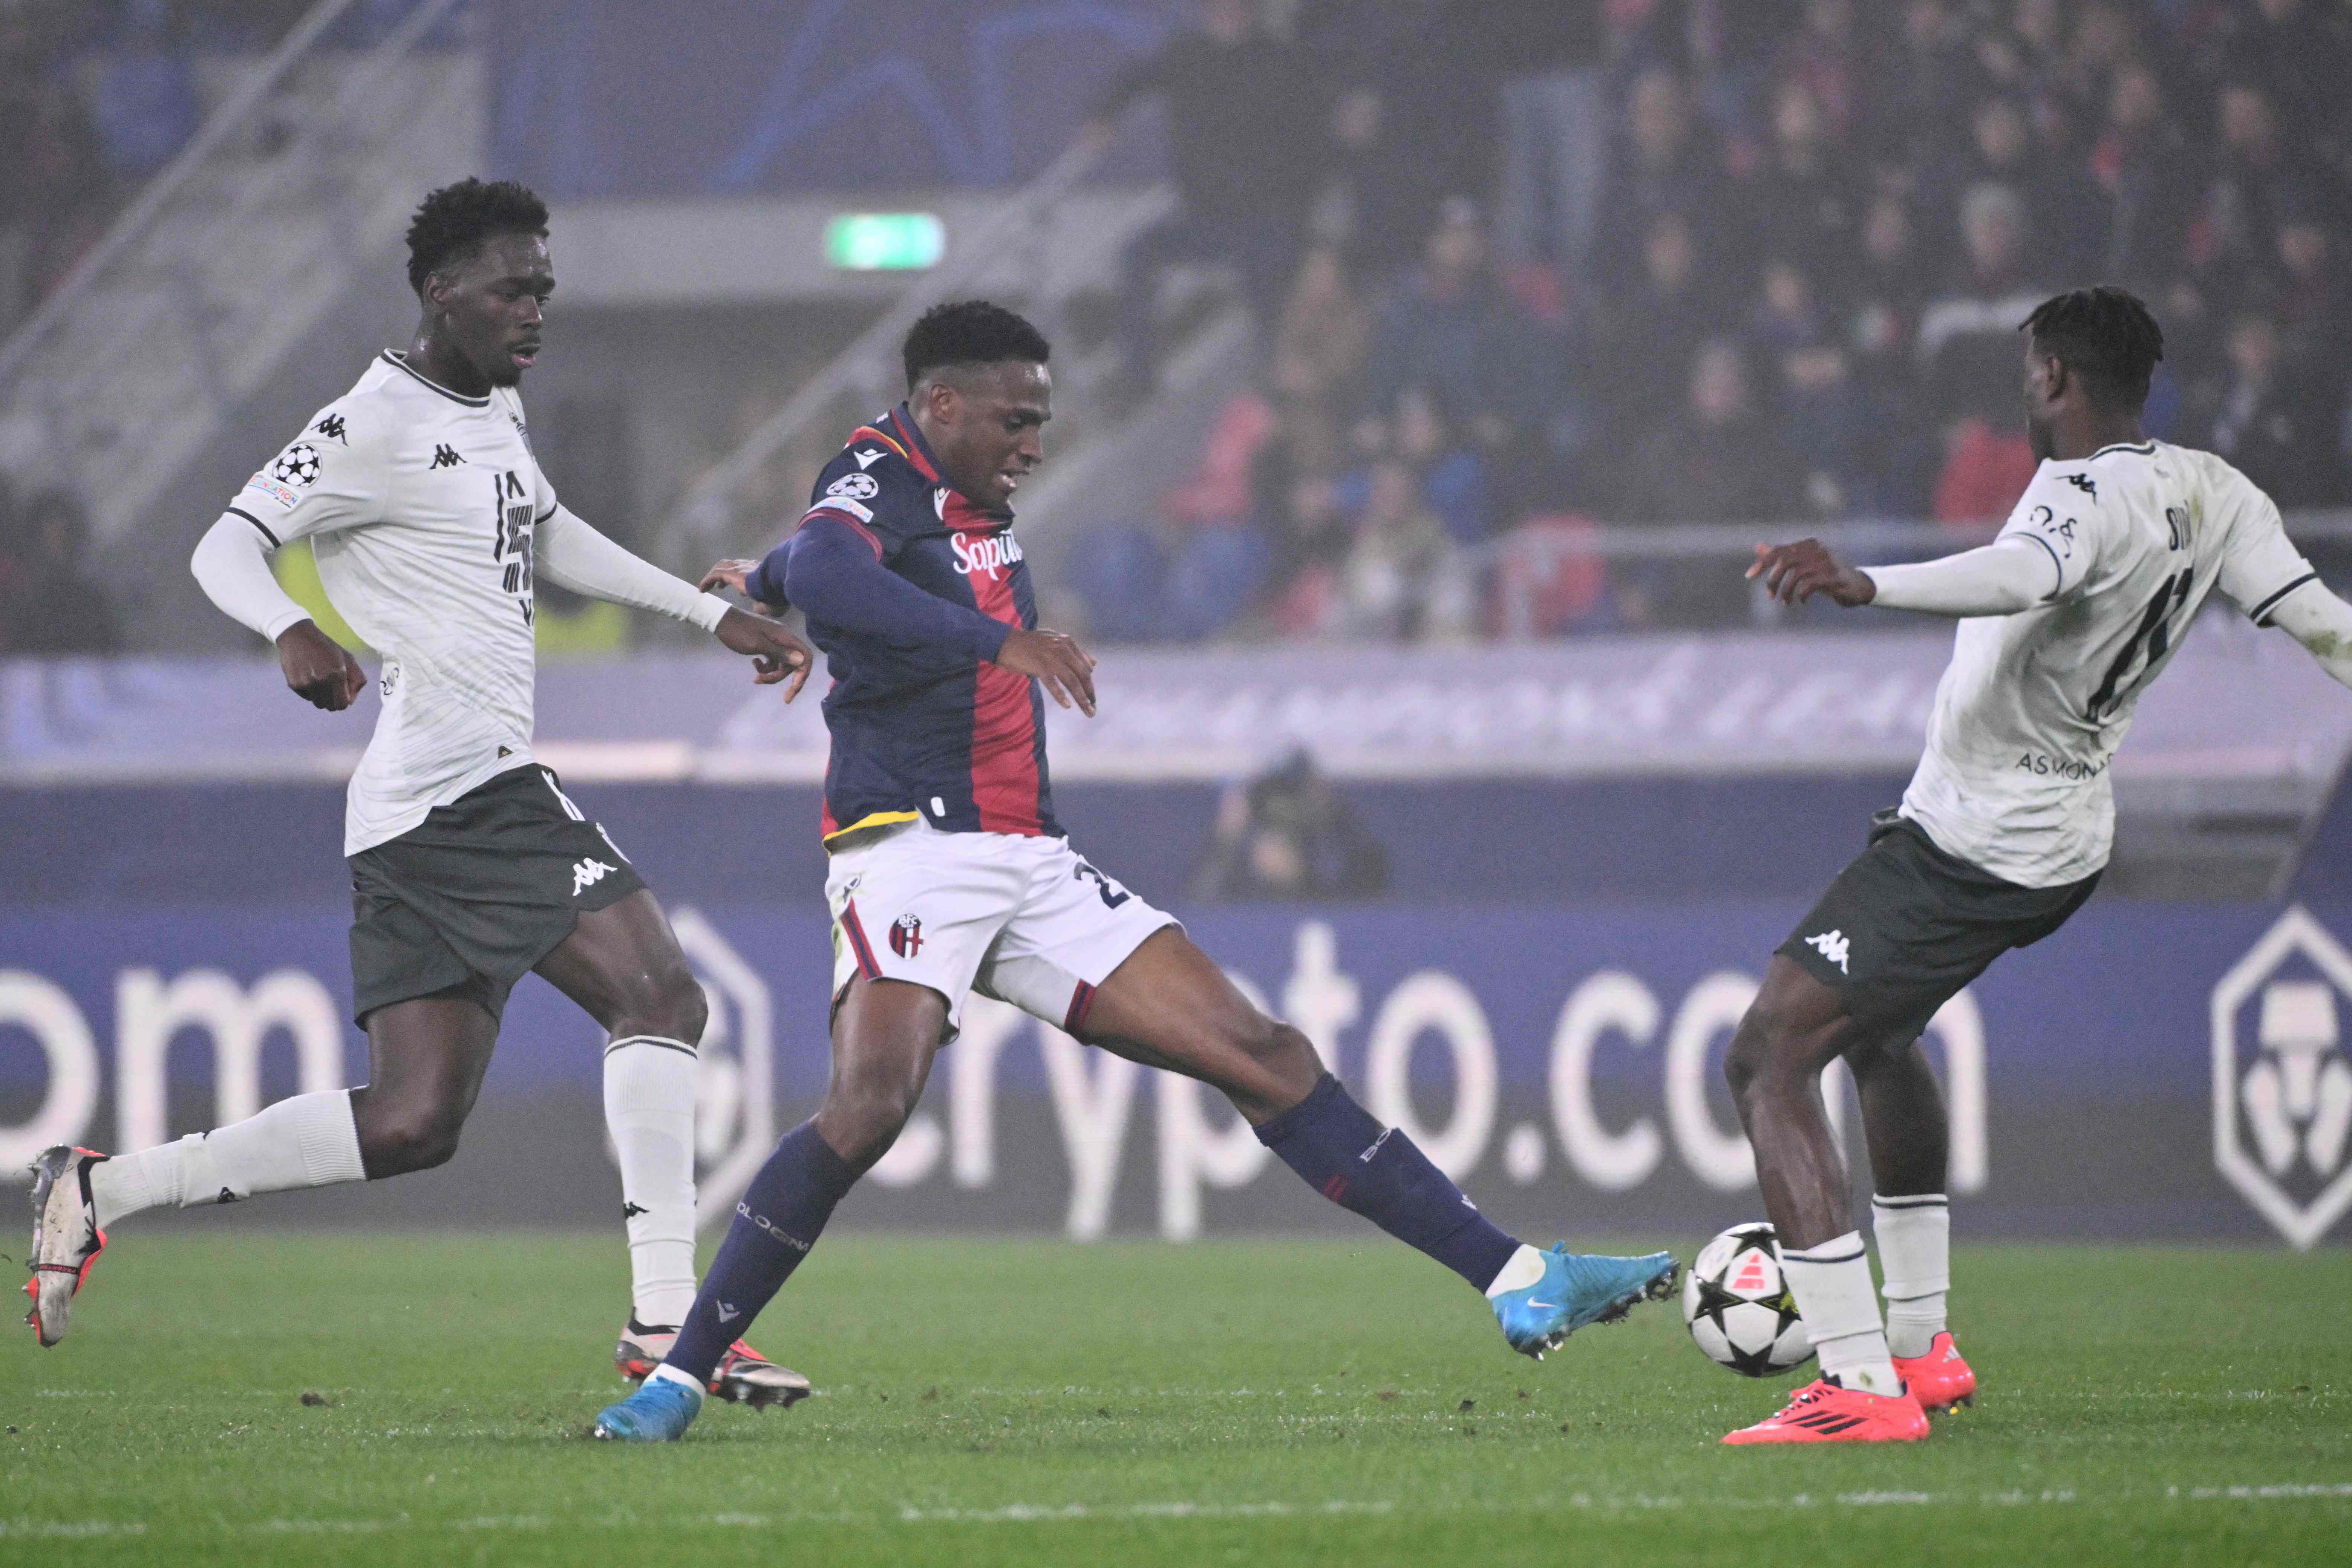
(2030,712)
(420,505)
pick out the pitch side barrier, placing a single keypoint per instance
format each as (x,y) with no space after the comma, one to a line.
(2152,1070)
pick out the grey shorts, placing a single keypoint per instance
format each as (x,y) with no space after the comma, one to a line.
(1904,926)
(471,899)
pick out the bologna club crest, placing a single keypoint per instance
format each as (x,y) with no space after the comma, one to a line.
(906,936)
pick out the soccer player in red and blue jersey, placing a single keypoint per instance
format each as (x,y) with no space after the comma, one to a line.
(948,874)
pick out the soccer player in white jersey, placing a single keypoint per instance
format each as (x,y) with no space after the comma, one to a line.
(470,867)
(2064,619)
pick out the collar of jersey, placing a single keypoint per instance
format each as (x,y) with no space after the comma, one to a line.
(898,431)
(392,357)
(2140,449)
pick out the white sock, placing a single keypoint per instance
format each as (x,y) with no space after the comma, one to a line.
(308,1141)
(649,1111)
(1831,1284)
(668,1374)
(1914,1253)
(1526,1267)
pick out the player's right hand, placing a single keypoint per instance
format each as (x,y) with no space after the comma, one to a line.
(1799,571)
(734,574)
(319,670)
(1065,669)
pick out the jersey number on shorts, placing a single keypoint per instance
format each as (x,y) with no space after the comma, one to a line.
(1104,886)
(2156,631)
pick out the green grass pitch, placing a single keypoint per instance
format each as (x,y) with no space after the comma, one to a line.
(1274,1402)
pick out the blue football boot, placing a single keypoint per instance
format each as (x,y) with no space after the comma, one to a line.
(658,1411)
(1578,1289)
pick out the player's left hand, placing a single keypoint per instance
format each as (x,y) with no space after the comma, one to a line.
(775,653)
(1793,572)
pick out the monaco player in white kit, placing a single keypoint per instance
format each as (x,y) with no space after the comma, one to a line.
(2007,823)
(430,520)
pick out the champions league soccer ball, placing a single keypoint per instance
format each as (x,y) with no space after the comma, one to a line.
(1737,1307)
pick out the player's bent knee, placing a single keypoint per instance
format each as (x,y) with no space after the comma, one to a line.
(861,1125)
(403,1141)
(668,1002)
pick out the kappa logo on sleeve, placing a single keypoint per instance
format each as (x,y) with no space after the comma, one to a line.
(1832,945)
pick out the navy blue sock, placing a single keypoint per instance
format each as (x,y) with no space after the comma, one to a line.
(781,1214)
(1339,1150)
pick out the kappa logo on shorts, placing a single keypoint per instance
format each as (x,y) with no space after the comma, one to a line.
(906,936)
(587,874)
(1833,946)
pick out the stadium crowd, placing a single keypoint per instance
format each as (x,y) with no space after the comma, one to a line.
(1524,265)
(96,96)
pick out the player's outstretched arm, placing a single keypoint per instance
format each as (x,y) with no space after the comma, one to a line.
(575,556)
(834,572)
(2322,622)
(2002,578)
(232,566)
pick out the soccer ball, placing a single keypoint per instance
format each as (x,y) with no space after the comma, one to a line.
(1737,1307)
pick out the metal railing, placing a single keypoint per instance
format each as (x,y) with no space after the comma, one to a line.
(229,259)
(1011,251)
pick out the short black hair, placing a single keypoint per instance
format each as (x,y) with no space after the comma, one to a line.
(2106,336)
(452,223)
(969,331)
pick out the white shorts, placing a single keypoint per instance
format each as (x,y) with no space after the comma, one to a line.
(1024,919)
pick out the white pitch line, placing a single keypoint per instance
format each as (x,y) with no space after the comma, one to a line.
(1056,1513)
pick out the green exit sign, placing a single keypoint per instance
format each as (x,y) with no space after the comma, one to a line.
(884,242)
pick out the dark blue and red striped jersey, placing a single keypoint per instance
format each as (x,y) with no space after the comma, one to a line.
(921,729)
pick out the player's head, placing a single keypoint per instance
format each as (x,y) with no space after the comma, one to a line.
(477,259)
(2093,350)
(977,384)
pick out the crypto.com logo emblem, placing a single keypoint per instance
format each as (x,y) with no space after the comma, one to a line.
(2283,1104)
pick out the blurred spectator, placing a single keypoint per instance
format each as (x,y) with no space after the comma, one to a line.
(1319,353)
(1664,163)
(1403,578)
(1242,122)
(47,604)
(1824,57)
(1555,129)
(1813,399)
(1453,329)
(2062,206)
(1968,334)
(1376,200)
(2313,296)
(2299,53)
(1451,472)
(1720,460)
(2257,416)
(1885,297)
(1802,203)
(1918,79)
(1970,349)
(2258,176)
(2141,164)
(1653,324)
(1289,835)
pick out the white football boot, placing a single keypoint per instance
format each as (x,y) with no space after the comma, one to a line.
(65,1237)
